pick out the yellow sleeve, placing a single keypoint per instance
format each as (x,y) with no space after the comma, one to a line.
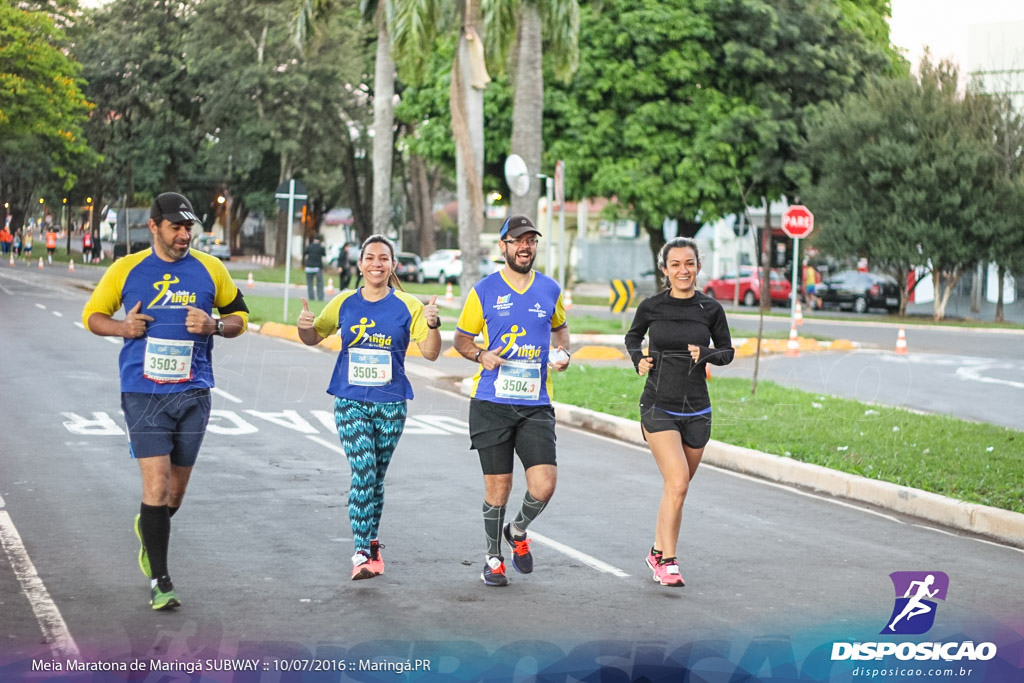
(106,298)
(224,289)
(471,320)
(418,325)
(558,319)
(326,324)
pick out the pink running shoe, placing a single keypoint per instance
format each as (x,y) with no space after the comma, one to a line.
(376,561)
(666,572)
(653,557)
(361,567)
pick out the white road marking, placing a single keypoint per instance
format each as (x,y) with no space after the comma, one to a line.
(113,340)
(6,291)
(55,630)
(58,314)
(41,307)
(79,325)
(327,444)
(226,395)
(578,555)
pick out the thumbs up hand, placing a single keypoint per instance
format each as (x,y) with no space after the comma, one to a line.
(432,314)
(306,317)
(135,322)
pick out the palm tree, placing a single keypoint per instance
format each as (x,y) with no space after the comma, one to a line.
(516,28)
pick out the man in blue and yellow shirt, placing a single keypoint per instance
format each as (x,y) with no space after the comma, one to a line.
(166,364)
(520,314)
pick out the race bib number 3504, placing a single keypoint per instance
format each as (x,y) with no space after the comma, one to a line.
(518,381)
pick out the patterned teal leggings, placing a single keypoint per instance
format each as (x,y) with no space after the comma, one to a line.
(369,433)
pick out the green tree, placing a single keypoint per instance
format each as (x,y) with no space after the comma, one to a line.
(42,109)
(517,36)
(907,177)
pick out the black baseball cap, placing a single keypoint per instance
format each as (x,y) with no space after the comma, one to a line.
(517,226)
(174,207)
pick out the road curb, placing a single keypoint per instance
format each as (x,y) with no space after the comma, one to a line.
(1002,525)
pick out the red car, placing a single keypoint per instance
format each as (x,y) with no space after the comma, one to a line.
(724,288)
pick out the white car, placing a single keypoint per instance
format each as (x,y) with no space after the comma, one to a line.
(445,265)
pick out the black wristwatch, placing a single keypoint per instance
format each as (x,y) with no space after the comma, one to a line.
(434,327)
(476,358)
(220,327)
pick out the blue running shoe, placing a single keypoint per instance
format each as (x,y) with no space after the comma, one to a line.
(494,571)
(522,558)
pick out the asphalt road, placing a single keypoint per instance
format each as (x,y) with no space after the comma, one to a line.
(260,551)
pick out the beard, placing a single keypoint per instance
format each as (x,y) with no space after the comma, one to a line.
(175,252)
(514,264)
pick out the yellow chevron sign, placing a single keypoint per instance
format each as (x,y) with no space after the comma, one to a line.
(621,295)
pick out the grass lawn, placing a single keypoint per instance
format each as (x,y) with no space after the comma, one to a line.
(974,462)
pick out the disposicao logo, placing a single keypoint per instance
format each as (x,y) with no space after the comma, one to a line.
(916,592)
(913,613)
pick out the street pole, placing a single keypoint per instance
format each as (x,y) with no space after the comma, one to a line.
(796,266)
(288,248)
(550,192)
(291,195)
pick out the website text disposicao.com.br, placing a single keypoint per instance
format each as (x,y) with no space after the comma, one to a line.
(905,671)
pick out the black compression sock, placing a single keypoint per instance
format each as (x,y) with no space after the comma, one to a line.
(155,525)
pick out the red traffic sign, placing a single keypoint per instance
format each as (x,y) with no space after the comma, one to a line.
(797,222)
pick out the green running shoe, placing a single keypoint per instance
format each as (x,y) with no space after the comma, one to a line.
(143,555)
(162,595)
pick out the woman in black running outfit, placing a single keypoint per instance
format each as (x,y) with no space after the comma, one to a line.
(686,330)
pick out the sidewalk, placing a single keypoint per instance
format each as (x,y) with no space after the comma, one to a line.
(1001,525)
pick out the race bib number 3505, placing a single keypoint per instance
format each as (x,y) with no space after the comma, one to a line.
(369,367)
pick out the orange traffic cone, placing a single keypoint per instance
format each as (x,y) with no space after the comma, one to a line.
(40,263)
(798,315)
(71,265)
(568,300)
(250,283)
(12,258)
(330,285)
(707,371)
(449,294)
(792,346)
(901,342)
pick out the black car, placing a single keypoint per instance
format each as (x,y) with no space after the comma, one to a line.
(408,267)
(859,291)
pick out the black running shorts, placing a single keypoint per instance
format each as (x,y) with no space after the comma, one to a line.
(167,424)
(496,430)
(695,430)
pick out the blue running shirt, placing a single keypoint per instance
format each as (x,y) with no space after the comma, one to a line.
(374,338)
(165,289)
(516,325)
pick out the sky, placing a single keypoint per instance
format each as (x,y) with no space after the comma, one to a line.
(942,24)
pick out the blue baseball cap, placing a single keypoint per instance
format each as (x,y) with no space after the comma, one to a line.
(517,226)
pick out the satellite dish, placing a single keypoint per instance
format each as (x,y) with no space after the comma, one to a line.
(517,175)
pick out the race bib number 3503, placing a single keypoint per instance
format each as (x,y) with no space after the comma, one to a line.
(168,361)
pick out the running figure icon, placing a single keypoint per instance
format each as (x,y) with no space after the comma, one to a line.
(915,606)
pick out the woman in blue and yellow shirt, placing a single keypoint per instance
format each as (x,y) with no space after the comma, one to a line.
(377,322)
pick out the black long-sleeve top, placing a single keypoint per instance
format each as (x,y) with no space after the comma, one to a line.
(676,384)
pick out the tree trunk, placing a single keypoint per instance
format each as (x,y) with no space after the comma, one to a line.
(466,104)
(656,240)
(383,123)
(766,257)
(422,205)
(528,107)
(999,298)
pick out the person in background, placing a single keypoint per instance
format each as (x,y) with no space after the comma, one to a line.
(313,259)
